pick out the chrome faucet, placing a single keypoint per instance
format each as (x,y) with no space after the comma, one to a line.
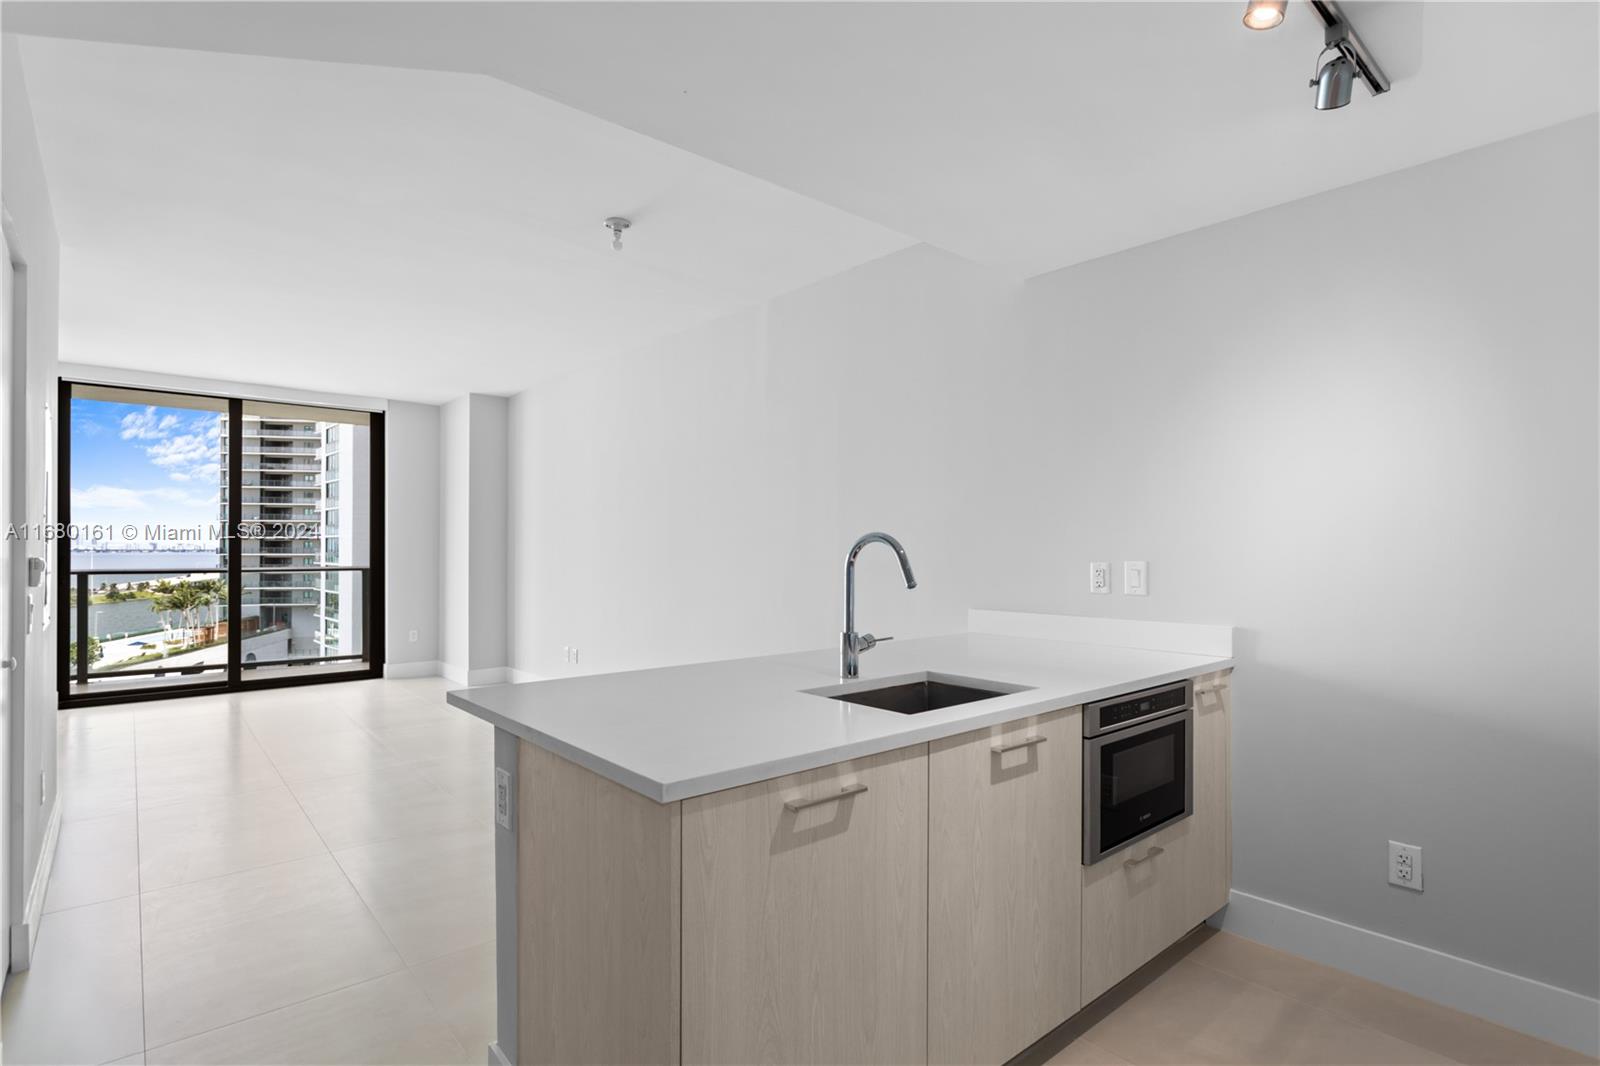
(851,643)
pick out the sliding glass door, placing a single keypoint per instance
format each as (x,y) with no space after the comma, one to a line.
(213,544)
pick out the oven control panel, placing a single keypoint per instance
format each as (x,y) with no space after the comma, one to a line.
(1125,710)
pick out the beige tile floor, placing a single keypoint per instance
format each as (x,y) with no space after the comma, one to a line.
(295,875)
(305,876)
(1217,998)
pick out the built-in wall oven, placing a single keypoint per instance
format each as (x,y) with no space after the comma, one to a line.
(1138,767)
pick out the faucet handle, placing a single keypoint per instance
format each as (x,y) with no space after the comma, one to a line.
(866,642)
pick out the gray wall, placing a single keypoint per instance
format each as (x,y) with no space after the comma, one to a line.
(1360,426)
(31,230)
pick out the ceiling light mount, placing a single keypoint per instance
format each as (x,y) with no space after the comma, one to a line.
(1335,79)
(1338,34)
(616,224)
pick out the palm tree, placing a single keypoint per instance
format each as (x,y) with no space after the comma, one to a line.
(185,601)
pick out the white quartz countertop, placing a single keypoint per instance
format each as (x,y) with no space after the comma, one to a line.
(684,731)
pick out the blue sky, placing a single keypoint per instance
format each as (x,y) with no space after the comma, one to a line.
(144,465)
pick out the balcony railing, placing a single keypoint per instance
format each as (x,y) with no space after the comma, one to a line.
(173,633)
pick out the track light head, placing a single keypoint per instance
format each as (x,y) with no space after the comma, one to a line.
(1334,82)
(1264,14)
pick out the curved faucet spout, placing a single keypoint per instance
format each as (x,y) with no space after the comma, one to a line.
(852,644)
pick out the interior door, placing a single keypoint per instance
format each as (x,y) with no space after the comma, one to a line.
(8,653)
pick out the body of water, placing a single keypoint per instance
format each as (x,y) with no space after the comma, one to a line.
(85,560)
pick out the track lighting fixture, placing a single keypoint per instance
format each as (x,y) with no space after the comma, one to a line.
(1335,79)
(616,225)
(1264,14)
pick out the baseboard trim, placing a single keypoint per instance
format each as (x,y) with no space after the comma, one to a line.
(497,1057)
(1508,999)
(427,668)
(25,935)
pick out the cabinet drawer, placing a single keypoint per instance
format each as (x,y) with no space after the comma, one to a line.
(805,916)
(1135,904)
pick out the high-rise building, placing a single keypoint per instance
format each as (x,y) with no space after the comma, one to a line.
(304,481)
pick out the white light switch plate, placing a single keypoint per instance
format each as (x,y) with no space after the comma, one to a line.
(1100,578)
(1136,578)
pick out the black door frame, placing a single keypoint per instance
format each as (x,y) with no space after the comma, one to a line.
(233,679)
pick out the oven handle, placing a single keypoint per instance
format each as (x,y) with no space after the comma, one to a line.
(1152,853)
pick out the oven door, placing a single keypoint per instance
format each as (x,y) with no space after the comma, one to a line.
(1136,781)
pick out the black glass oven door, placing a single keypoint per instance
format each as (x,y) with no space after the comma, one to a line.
(1143,781)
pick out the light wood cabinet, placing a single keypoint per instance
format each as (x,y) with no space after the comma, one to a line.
(922,905)
(1004,825)
(805,930)
(1139,901)
(597,917)
(1211,866)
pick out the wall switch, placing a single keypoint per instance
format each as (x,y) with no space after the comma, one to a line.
(1405,865)
(413,636)
(502,798)
(1136,578)
(1100,577)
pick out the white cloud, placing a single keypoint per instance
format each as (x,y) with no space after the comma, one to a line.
(190,456)
(116,497)
(182,450)
(202,472)
(147,425)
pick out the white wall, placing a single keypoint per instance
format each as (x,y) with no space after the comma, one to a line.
(487,537)
(455,479)
(696,501)
(31,233)
(472,539)
(1360,426)
(411,533)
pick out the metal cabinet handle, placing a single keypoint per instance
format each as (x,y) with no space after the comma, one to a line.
(1152,853)
(848,790)
(1025,742)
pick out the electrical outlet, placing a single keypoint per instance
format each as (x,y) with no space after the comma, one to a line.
(1405,865)
(502,797)
(569,654)
(413,636)
(1100,578)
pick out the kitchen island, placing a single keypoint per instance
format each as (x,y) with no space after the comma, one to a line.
(733,862)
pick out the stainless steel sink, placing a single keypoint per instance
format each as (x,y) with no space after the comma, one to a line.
(919,694)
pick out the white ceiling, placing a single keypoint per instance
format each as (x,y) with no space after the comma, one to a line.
(1022,136)
(374,231)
